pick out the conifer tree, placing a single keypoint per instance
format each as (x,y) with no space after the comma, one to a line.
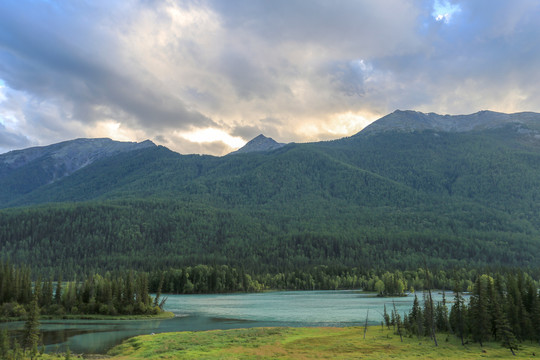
(31,328)
(398,321)
(431,310)
(535,317)
(456,314)
(4,344)
(46,293)
(480,317)
(386,317)
(416,318)
(504,331)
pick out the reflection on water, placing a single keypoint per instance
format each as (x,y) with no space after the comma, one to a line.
(208,312)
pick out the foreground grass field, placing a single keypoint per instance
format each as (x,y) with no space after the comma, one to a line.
(306,343)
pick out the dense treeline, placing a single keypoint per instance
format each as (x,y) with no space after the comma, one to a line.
(125,293)
(121,294)
(203,279)
(503,308)
(132,234)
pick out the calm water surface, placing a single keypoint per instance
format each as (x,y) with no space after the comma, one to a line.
(208,312)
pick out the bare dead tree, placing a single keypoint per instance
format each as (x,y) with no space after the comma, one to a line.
(365,325)
(398,321)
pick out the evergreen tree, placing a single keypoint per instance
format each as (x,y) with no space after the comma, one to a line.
(398,321)
(386,317)
(479,315)
(4,344)
(46,293)
(416,318)
(456,315)
(504,332)
(441,315)
(158,291)
(31,328)
(535,317)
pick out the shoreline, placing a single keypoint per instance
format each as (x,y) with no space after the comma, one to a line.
(161,316)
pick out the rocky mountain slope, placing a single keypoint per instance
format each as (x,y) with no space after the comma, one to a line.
(409,121)
(22,171)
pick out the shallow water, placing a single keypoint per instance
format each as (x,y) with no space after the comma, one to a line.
(229,311)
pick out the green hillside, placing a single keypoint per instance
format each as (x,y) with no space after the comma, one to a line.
(383,200)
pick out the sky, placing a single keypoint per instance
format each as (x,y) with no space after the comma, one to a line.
(205,76)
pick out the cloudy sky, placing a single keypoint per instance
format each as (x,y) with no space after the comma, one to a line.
(205,76)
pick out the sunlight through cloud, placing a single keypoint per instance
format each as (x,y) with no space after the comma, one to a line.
(212,135)
(444,10)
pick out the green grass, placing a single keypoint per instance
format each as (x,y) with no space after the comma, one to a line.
(306,343)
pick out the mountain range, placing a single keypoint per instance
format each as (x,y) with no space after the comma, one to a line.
(458,190)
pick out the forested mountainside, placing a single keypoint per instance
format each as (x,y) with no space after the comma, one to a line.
(23,171)
(381,199)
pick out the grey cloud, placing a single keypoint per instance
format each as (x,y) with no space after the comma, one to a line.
(246,132)
(248,80)
(342,25)
(37,58)
(10,140)
(271,121)
(160,139)
(350,77)
(270,127)
(465,66)
(262,66)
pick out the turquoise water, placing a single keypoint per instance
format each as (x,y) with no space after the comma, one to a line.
(289,308)
(230,311)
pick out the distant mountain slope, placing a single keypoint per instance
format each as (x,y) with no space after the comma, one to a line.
(483,120)
(23,171)
(259,144)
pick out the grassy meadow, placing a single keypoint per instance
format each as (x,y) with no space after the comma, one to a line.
(307,343)
(301,343)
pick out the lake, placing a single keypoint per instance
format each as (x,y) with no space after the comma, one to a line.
(225,311)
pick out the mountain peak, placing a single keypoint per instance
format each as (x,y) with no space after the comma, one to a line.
(409,121)
(260,143)
(24,170)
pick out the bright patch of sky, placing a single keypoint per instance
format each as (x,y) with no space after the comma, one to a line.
(115,130)
(344,124)
(443,10)
(209,135)
(361,66)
